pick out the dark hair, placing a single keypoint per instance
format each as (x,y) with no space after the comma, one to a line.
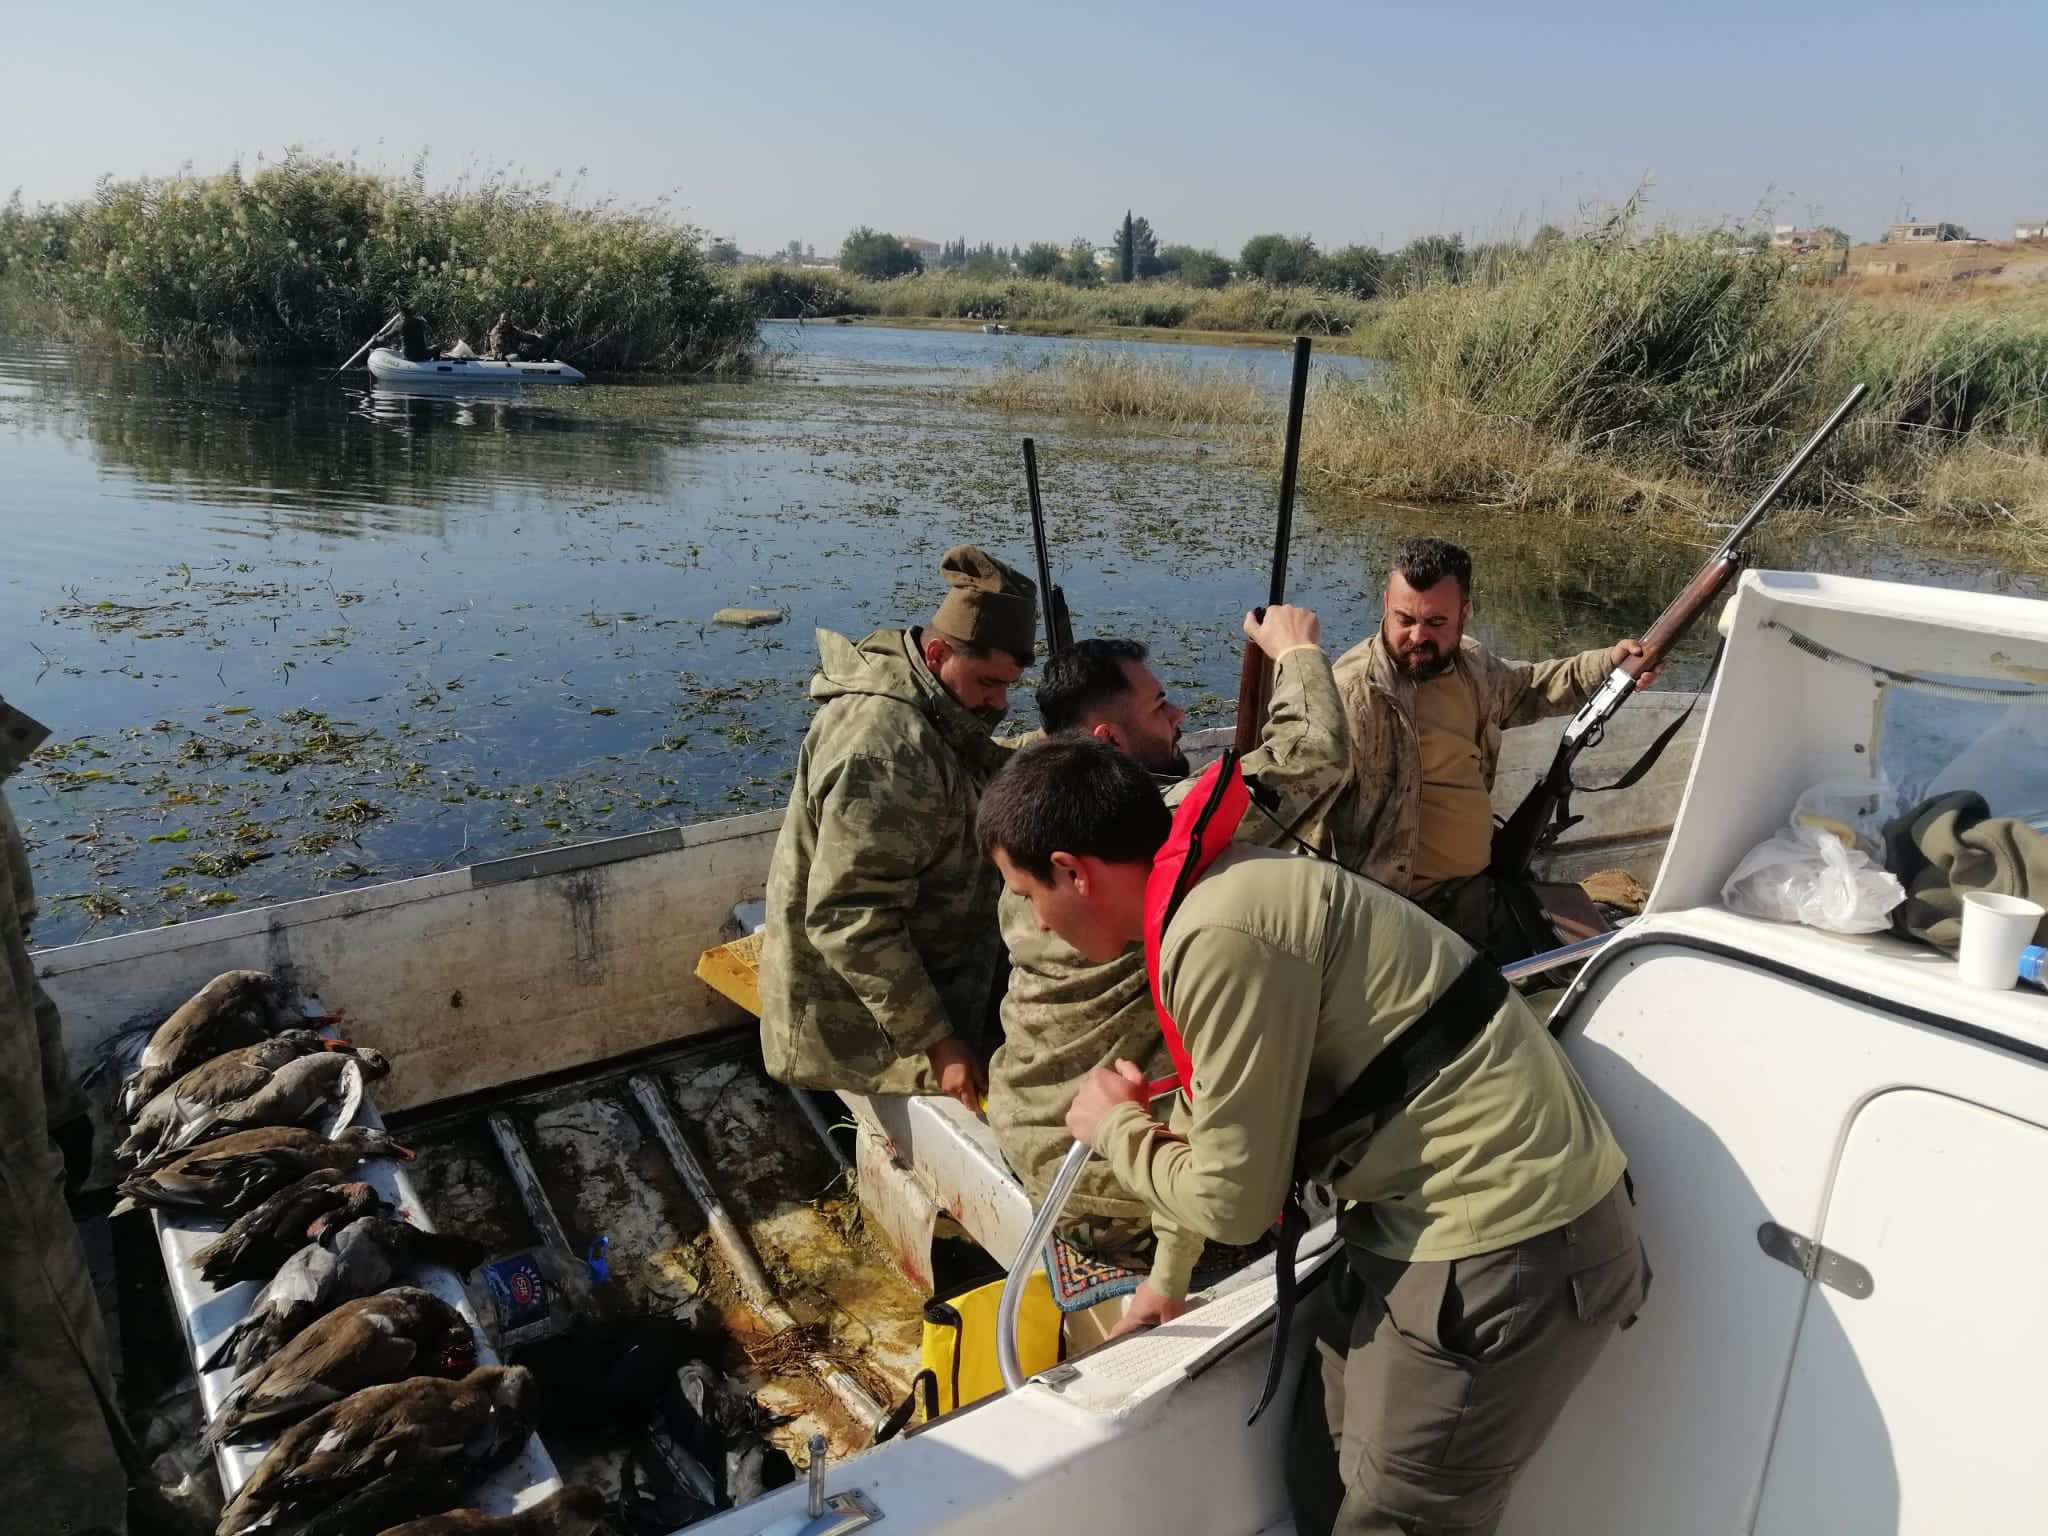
(1072,794)
(1082,678)
(1422,563)
(967,649)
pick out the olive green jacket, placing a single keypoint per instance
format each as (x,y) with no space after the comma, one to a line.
(881,933)
(1287,977)
(1063,1015)
(1372,827)
(63,1473)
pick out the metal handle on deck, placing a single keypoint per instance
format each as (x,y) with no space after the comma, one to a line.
(1069,1175)
(1027,1259)
(1550,959)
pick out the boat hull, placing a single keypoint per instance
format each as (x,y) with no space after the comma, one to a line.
(389,367)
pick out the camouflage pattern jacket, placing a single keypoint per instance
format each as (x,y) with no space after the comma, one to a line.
(63,1473)
(881,936)
(1372,827)
(1064,1016)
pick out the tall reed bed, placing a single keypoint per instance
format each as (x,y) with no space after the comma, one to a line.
(303,260)
(1676,371)
(1626,375)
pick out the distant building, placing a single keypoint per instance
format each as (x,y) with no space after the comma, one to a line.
(1824,237)
(930,250)
(1923,232)
(1108,258)
(2038,230)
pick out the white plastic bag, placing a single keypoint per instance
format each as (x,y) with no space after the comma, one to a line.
(1806,874)
(1857,807)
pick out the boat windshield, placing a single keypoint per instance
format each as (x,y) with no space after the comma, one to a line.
(1957,733)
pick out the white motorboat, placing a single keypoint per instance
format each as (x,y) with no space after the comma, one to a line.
(1834,1142)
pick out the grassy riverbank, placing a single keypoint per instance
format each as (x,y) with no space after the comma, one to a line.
(305,259)
(1044,307)
(1661,374)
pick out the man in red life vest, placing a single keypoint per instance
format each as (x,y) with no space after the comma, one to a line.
(1491,1243)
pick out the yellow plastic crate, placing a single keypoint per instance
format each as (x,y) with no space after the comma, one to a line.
(734,970)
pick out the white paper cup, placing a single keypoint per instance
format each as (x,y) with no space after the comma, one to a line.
(1995,930)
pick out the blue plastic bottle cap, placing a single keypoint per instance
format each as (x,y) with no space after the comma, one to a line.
(2034,965)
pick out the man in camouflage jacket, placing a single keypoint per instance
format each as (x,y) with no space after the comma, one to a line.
(878,960)
(61,1468)
(1064,1015)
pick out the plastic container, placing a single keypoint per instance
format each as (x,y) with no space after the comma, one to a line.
(1996,930)
(2034,965)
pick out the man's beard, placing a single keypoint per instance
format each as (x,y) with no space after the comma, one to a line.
(991,717)
(1421,663)
(1171,763)
(1424,663)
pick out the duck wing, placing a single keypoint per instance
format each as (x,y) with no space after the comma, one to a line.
(361,1343)
(279,1310)
(198,1104)
(263,1237)
(348,1097)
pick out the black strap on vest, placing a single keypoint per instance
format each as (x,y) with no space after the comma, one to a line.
(1390,1083)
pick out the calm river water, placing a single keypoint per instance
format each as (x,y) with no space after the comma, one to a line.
(291,634)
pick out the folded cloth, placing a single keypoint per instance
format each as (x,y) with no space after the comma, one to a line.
(1951,844)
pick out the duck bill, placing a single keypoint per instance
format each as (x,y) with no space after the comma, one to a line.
(405,1152)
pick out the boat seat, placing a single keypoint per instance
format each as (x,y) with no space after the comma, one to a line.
(949,1155)
(207,1314)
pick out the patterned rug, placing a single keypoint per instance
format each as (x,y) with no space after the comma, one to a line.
(1080,1280)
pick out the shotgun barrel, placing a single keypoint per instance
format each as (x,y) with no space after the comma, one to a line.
(1255,676)
(1059,628)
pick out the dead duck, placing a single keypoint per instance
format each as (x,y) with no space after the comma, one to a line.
(295,1092)
(366,1342)
(263,1238)
(226,1177)
(341,1263)
(602,1377)
(574,1509)
(388,1454)
(234,1009)
(225,1078)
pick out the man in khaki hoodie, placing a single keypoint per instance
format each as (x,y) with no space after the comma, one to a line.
(1427,704)
(1491,1242)
(878,961)
(1064,1014)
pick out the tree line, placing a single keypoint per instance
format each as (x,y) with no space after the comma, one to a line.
(1134,254)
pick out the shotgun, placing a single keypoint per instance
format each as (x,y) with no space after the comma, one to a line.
(1545,811)
(1059,628)
(1255,678)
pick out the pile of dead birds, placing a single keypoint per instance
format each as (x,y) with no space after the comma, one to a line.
(380,1420)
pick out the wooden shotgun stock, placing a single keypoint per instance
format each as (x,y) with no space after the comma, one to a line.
(1255,677)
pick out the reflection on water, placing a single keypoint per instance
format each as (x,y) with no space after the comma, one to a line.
(826,353)
(291,633)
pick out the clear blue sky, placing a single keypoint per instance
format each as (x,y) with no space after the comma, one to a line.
(1355,121)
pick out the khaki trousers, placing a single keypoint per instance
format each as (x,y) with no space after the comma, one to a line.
(1439,1380)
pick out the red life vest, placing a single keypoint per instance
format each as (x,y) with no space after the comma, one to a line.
(1203,824)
